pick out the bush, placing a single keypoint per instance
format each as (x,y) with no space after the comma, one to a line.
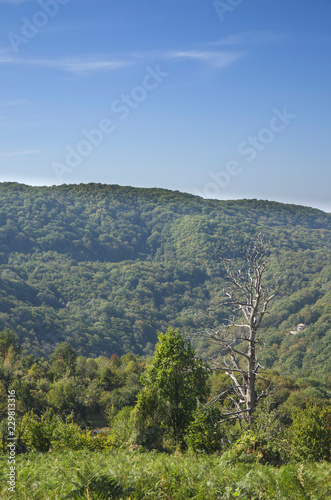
(310,433)
(264,443)
(68,435)
(147,419)
(36,432)
(204,433)
(246,450)
(121,426)
(51,432)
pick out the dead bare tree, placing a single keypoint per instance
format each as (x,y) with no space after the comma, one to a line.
(248,297)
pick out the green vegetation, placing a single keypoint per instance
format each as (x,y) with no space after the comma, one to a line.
(192,452)
(106,267)
(204,434)
(162,476)
(93,390)
(311,433)
(175,384)
(89,275)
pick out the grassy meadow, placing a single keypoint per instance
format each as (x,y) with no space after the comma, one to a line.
(154,475)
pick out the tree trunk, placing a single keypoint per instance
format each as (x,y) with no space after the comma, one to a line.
(249,298)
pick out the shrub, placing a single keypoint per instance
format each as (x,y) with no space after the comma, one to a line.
(310,433)
(204,433)
(50,431)
(121,426)
(68,435)
(36,432)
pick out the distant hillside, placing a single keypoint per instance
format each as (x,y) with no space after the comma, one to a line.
(106,267)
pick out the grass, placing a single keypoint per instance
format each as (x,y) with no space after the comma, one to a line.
(160,476)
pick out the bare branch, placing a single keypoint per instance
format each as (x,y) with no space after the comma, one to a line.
(249,299)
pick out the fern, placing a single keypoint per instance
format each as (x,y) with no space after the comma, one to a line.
(93,486)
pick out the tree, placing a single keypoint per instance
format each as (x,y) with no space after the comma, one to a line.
(248,297)
(65,395)
(175,382)
(8,339)
(64,359)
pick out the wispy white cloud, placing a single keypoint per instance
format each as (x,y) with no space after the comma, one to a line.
(15,2)
(78,65)
(245,38)
(215,59)
(8,154)
(70,65)
(83,65)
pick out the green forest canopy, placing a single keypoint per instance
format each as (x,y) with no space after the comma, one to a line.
(106,267)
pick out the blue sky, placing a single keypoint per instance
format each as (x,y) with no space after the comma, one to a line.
(224,99)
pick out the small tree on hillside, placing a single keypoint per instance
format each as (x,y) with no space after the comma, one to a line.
(248,297)
(175,382)
(64,359)
(8,339)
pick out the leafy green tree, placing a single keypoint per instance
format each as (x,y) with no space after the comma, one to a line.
(64,359)
(8,339)
(109,379)
(9,367)
(310,433)
(149,418)
(65,395)
(175,382)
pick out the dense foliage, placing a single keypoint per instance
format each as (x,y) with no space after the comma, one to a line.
(163,398)
(93,390)
(88,275)
(158,403)
(106,267)
(175,383)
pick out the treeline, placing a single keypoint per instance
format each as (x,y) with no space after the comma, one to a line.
(105,267)
(166,402)
(92,390)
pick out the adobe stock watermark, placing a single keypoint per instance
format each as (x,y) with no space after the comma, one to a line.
(249,148)
(222,7)
(31,27)
(11,441)
(121,107)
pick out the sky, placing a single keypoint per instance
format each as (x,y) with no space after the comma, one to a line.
(225,99)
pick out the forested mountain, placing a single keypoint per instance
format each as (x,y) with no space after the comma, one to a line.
(106,267)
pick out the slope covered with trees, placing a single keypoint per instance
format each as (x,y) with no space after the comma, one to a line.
(106,267)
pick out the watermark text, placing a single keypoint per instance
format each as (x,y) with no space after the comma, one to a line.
(11,441)
(249,149)
(121,107)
